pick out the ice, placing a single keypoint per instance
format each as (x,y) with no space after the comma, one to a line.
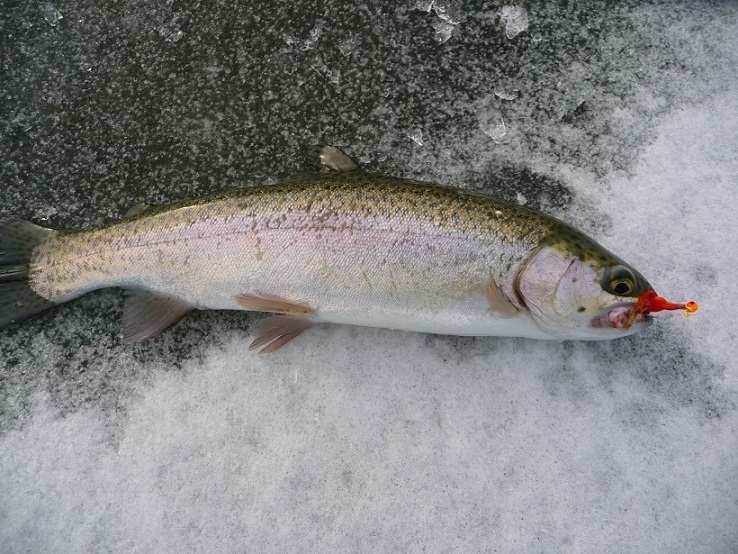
(424,5)
(491,121)
(314,37)
(170,33)
(311,40)
(515,20)
(444,30)
(416,135)
(509,95)
(493,126)
(692,164)
(448,11)
(623,123)
(347,46)
(449,16)
(51,14)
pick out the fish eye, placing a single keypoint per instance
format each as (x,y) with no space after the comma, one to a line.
(621,281)
(622,286)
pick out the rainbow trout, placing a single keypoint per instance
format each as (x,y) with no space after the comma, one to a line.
(340,246)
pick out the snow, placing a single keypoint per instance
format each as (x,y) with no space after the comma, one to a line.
(623,122)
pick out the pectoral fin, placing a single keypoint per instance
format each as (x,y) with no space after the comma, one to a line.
(500,306)
(330,158)
(273,304)
(146,314)
(277,330)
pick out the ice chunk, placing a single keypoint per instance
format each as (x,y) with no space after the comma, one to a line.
(424,5)
(444,30)
(330,75)
(447,12)
(313,38)
(449,16)
(503,94)
(515,20)
(492,124)
(171,31)
(347,47)
(416,135)
(51,14)
(307,43)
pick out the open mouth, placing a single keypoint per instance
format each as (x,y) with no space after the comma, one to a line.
(621,316)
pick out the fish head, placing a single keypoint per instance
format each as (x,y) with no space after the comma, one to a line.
(573,291)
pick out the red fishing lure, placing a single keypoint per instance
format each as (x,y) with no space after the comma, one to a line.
(650,302)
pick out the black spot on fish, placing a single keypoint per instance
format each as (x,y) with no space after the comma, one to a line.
(580,309)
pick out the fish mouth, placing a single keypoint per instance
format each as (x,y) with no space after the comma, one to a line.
(621,316)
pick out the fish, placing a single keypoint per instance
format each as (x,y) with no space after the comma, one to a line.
(336,245)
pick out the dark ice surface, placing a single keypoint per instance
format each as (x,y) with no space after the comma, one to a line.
(618,117)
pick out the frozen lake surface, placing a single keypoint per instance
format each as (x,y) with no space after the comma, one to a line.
(621,120)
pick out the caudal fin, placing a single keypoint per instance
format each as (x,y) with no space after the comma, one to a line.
(18,301)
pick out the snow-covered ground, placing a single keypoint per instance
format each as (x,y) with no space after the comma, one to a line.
(620,120)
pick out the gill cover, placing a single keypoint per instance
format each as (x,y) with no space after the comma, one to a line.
(564,291)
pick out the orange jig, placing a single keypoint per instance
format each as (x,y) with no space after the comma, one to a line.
(649,302)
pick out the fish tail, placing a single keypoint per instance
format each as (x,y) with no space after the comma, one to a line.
(18,301)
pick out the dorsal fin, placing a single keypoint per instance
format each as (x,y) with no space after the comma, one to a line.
(137,209)
(330,158)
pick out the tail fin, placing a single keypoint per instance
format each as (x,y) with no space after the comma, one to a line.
(18,301)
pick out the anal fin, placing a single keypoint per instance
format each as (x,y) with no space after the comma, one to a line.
(500,306)
(147,314)
(273,304)
(277,330)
